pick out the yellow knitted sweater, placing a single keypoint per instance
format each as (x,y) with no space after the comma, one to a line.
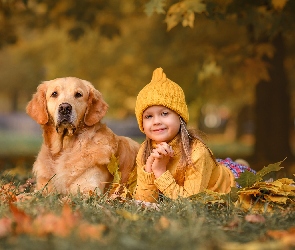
(203,173)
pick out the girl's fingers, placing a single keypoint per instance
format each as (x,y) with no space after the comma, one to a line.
(156,154)
(165,149)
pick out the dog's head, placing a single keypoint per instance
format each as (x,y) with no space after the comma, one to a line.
(67,102)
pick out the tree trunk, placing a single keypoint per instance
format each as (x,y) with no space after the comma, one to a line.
(272,111)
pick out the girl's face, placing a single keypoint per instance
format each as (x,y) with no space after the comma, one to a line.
(160,124)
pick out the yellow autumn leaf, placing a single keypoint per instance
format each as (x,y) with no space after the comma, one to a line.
(131,182)
(208,197)
(184,12)
(278,4)
(113,168)
(156,6)
(127,215)
(277,199)
(188,19)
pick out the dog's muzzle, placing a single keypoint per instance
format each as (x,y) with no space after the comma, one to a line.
(64,112)
(65,119)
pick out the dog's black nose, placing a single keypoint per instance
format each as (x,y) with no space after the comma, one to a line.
(65,109)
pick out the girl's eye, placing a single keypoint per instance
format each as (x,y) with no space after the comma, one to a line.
(147,116)
(54,94)
(164,113)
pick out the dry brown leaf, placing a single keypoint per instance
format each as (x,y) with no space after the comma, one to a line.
(88,231)
(285,236)
(233,224)
(6,194)
(24,197)
(163,223)
(23,222)
(5,226)
(255,218)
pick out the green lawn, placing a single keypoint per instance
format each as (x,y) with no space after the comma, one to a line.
(77,222)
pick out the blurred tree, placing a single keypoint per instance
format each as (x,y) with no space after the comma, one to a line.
(268,23)
(116,47)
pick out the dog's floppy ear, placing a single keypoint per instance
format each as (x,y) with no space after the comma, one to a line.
(96,108)
(36,108)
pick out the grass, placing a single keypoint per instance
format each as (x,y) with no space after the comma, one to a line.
(180,224)
(16,143)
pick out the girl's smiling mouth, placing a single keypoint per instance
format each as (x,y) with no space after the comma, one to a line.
(158,130)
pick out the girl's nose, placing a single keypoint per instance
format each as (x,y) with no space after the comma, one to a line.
(156,120)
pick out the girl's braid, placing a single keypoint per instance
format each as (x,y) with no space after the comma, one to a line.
(185,140)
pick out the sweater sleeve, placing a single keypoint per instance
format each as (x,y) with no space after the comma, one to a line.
(145,188)
(197,175)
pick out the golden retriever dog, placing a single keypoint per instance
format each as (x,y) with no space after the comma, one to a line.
(77,146)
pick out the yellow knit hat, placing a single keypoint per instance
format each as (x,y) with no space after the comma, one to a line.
(161,91)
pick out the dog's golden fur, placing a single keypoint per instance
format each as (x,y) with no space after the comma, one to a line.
(76,147)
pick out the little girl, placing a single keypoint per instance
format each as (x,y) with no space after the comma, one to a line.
(172,160)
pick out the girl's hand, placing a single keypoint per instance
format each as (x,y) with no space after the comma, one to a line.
(161,154)
(148,165)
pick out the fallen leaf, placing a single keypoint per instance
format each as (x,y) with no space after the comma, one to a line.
(163,223)
(285,236)
(255,218)
(88,231)
(113,168)
(127,215)
(23,222)
(5,226)
(233,224)
(24,197)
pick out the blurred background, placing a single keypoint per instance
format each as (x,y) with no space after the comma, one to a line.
(235,60)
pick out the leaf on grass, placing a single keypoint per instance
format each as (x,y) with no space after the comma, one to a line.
(163,223)
(270,168)
(233,224)
(119,192)
(23,222)
(276,199)
(88,231)
(255,218)
(62,225)
(208,197)
(113,168)
(5,226)
(247,179)
(285,236)
(59,225)
(127,215)
(154,6)
(131,182)
(8,193)
(264,196)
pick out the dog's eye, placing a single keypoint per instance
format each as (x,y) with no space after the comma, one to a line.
(78,95)
(54,94)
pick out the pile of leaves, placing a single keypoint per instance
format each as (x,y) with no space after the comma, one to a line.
(258,215)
